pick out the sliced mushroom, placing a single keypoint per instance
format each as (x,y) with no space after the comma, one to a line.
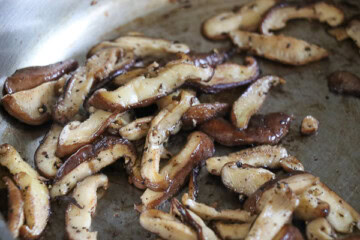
(31,77)
(47,163)
(91,159)
(232,231)
(343,82)
(309,125)
(275,213)
(16,207)
(353,30)
(77,134)
(212,59)
(289,232)
(166,226)
(243,178)
(319,229)
(262,156)
(251,100)
(32,106)
(339,33)
(209,213)
(262,129)
(229,75)
(200,113)
(135,177)
(34,192)
(193,184)
(121,120)
(143,91)
(310,207)
(248,17)
(78,220)
(280,48)
(278,16)
(291,164)
(137,129)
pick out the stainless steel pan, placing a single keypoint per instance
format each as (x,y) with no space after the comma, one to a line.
(44,31)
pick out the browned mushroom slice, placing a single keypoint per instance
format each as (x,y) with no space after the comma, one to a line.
(168,99)
(251,100)
(210,213)
(353,30)
(229,75)
(121,120)
(262,156)
(143,91)
(309,125)
(193,184)
(243,178)
(214,58)
(275,213)
(77,134)
(32,106)
(130,75)
(232,231)
(310,207)
(16,207)
(137,129)
(78,220)
(277,17)
(91,159)
(262,129)
(166,225)
(135,177)
(343,82)
(201,113)
(31,77)
(339,33)
(248,17)
(291,164)
(34,192)
(280,48)
(320,229)
(47,163)
(289,232)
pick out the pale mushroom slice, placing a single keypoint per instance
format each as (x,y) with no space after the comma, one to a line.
(16,207)
(291,164)
(252,99)
(136,129)
(243,178)
(78,220)
(320,229)
(232,231)
(280,48)
(144,90)
(275,213)
(166,225)
(76,134)
(91,159)
(229,75)
(353,30)
(34,192)
(248,17)
(265,156)
(309,125)
(47,163)
(288,232)
(31,77)
(310,207)
(278,16)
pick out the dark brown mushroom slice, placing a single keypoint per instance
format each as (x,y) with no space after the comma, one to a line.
(193,183)
(344,82)
(262,129)
(212,59)
(30,77)
(289,232)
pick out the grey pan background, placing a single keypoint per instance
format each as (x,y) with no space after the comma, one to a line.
(44,31)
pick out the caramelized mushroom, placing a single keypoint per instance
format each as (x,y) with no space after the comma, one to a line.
(310,207)
(319,229)
(291,164)
(343,82)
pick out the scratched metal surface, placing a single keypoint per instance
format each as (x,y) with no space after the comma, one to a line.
(47,31)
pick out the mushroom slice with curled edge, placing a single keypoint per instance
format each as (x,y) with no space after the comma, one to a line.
(280,48)
(16,207)
(98,70)
(232,231)
(34,192)
(248,17)
(198,148)
(251,100)
(275,213)
(162,126)
(265,156)
(31,77)
(166,225)
(135,177)
(78,220)
(91,159)
(144,90)
(77,134)
(353,30)
(262,129)
(344,82)
(209,213)
(277,17)
(320,229)
(289,232)
(200,113)
(137,129)
(229,75)
(33,106)
(47,163)
(310,207)
(291,164)
(243,178)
